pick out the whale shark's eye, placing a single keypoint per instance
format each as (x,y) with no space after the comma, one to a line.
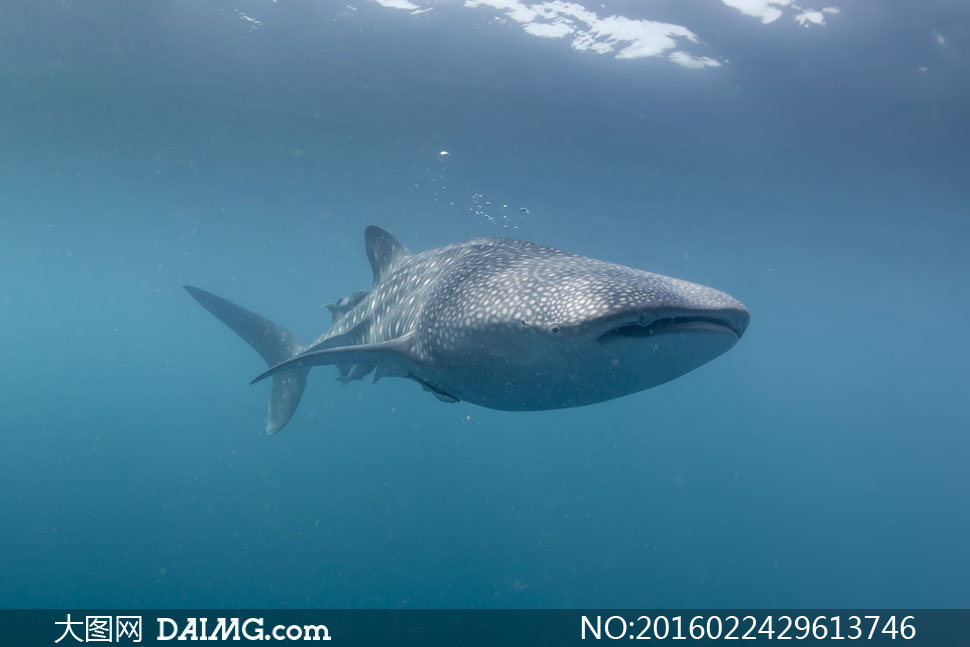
(554,330)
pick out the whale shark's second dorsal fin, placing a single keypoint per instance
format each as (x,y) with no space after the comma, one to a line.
(383,250)
(345,304)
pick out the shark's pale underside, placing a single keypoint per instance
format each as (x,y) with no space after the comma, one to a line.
(501,323)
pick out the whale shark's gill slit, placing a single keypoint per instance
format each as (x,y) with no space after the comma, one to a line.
(637,330)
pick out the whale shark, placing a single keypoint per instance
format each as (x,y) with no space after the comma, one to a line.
(498,322)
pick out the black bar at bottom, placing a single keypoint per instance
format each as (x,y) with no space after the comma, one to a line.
(429,628)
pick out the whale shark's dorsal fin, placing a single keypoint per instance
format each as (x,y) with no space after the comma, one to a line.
(383,250)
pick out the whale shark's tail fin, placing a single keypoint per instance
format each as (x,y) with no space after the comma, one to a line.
(274,343)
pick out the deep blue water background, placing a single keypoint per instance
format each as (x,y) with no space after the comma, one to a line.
(819,176)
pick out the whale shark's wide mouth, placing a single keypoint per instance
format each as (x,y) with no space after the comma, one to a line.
(678,324)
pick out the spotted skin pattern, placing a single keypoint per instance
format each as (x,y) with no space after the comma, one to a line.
(453,293)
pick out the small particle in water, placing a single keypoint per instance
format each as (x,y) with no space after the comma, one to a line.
(443,153)
(523,210)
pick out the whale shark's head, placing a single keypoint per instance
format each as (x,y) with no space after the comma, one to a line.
(571,330)
(618,307)
(635,329)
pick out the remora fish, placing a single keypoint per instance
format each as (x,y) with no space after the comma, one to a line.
(502,323)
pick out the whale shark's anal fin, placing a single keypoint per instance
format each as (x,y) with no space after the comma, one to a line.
(394,352)
(274,343)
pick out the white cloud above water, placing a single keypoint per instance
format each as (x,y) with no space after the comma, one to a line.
(767,10)
(622,37)
(810,17)
(807,18)
(696,62)
(397,4)
(549,30)
(625,38)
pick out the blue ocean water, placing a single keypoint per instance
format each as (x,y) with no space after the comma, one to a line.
(818,172)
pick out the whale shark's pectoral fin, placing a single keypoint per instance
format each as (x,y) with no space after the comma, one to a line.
(398,351)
